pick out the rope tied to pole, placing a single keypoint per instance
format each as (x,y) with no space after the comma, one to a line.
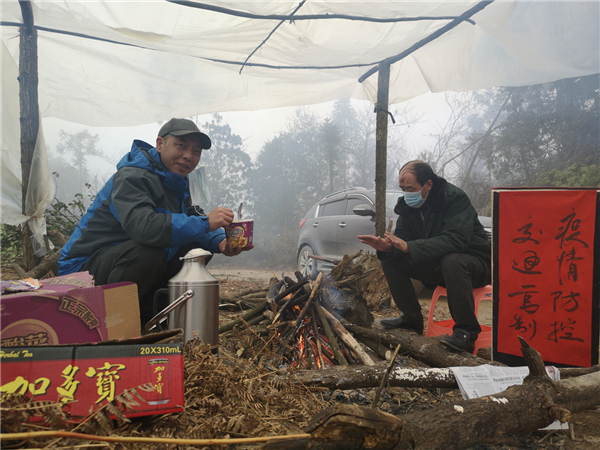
(377,109)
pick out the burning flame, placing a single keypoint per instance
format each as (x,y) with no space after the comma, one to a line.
(300,347)
(303,338)
(316,353)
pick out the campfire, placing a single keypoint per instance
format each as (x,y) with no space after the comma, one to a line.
(297,325)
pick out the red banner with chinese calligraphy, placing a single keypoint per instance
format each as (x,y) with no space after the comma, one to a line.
(544,286)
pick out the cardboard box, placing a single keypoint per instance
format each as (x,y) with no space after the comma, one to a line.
(69,310)
(86,377)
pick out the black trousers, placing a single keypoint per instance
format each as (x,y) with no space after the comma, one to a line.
(459,273)
(141,264)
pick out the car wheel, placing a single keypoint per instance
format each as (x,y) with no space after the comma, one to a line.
(307,266)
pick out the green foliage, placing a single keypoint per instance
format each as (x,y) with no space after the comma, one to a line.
(64,217)
(228,167)
(576,175)
(545,134)
(478,187)
(545,127)
(11,246)
(60,216)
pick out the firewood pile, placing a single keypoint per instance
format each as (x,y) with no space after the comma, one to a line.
(299,324)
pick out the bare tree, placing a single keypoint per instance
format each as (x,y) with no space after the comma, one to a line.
(405,118)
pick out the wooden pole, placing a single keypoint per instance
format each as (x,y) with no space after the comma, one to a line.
(383,90)
(359,376)
(29,115)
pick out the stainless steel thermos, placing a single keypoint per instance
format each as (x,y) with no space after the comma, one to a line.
(198,316)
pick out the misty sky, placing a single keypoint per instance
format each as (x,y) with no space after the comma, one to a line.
(254,127)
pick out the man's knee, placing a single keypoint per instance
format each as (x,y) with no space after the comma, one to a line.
(451,261)
(458,266)
(151,258)
(402,269)
(128,261)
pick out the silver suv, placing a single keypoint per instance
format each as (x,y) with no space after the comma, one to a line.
(328,230)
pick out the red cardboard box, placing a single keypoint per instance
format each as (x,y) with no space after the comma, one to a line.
(86,377)
(69,310)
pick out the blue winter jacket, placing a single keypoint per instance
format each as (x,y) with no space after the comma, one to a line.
(142,201)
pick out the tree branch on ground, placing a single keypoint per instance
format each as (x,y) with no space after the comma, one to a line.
(520,409)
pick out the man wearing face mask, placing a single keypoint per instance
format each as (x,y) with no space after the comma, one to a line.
(438,240)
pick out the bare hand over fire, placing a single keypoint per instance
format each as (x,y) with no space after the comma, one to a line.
(379,244)
(400,244)
(384,244)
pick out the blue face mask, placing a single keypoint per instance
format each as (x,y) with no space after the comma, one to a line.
(413,199)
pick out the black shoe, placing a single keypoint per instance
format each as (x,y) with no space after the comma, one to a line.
(405,322)
(459,340)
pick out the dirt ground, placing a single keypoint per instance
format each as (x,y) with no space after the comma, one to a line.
(585,434)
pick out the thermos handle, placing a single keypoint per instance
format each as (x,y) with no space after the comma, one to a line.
(161,316)
(157,295)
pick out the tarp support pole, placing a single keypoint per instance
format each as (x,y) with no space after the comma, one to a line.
(383,96)
(29,114)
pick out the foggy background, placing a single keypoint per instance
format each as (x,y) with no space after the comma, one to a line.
(280,162)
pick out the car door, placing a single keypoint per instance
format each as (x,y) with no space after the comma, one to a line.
(350,225)
(326,225)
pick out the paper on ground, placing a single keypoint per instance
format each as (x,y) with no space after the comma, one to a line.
(475,382)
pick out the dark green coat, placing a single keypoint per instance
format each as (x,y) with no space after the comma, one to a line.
(449,225)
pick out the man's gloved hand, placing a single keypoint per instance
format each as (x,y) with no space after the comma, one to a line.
(220,217)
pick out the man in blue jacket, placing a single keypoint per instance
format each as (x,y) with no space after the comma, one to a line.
(438,240)
(142,220)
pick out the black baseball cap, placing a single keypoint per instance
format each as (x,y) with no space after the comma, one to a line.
(181,127)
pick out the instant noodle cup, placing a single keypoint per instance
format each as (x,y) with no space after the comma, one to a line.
(240,233)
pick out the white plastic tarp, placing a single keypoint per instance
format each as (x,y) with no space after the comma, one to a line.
(153,60)
(41,189)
